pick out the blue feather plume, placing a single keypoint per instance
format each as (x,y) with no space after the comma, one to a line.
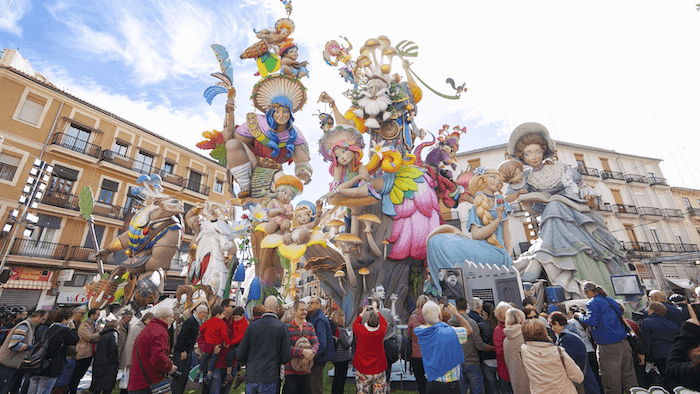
(213,91)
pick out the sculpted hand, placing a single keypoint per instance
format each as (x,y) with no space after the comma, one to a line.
(326,98)
(499,210)
(305,176)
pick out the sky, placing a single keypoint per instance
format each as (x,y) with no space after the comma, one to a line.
(619,75)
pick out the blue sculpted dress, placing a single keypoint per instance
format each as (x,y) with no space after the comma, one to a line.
(451,250)
(572,245)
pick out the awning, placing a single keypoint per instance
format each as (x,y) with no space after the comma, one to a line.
(682,283)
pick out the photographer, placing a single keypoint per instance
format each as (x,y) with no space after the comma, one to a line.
(683,362)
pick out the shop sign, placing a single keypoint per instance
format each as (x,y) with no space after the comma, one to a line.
(70,297)
(65,275)
(32,274)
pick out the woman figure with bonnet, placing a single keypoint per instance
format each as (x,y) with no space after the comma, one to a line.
(573,243)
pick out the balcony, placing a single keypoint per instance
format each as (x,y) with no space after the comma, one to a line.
(685,248)
(76,145)
(70,201)
(674,247)
(626,209)
(654,181)
(126,162)
(44,250)
(633,178)
(612,175)
(637,246)
(605,208)
(694,212)
(171,178)
(672,214)
(649,211)
(194,185)
(85,254)
(587,171)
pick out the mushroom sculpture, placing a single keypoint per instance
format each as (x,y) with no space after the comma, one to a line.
(368,219)
(340,275)
(335,227)
(347,241)
(364,271)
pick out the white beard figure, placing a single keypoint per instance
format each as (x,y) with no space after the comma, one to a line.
(373,106)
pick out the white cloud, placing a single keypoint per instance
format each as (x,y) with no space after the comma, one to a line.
(14,11)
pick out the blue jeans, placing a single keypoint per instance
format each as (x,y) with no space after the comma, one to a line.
(261,388)
(490,380)
(41,384)
(472,379)
(6,375)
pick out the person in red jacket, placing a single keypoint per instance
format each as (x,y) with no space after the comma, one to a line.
(213,332)
(239,325)
(150,360)
(370,359)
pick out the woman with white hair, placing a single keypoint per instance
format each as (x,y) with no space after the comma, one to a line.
(417,320)
(511,351)
(150,362)
(498,337)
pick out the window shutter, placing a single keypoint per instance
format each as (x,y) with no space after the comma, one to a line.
(9,160)
(30,112)
(110,185)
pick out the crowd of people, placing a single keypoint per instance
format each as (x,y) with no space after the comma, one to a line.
(452,348)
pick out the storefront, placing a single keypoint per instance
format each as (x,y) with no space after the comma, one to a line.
(28,287)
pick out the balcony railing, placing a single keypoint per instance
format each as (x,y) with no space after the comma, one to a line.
(636,178)
(120,160)
(624,208)
(649,211)
(61,200)
(654,181)
(637,246)
(39,249)
(674,247)
(82,253)
(694,212)
(108,210)
(672,213)
(605,207)
(689,247)
(195,186)
(605,174)
(171,178)
(588,171)
(74,144)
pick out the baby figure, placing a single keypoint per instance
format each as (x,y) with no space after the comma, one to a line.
(289,53)
(514,175)
(303,224)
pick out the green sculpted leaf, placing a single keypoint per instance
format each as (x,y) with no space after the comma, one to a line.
(86,202)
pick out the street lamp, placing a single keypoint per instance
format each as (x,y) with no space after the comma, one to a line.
(33,190)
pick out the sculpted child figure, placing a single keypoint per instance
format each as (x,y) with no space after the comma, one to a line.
(303,224)
(514,175)
(289,54)
(279,209)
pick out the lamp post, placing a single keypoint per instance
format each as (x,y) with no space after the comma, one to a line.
(33,190)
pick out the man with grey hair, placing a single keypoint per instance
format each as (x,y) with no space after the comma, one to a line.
(123,330)
(441,348)
(265,346)
(184,346)
(672,313)
(476,305)
(151,353)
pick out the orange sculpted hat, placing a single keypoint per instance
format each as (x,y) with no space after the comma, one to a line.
(290,180)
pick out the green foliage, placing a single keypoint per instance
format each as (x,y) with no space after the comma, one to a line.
(416,278)
(86,202)
(219,154)
(284,262)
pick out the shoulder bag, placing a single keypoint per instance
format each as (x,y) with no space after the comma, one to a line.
(35,359)
(635,343)
(162,387)
(579,386)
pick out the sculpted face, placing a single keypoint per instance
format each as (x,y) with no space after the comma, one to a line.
(532,155)
(292,54)
(494,183)
(519,176)
(304,216)
(285,195)
(379,292)
(281,116)
(343,156)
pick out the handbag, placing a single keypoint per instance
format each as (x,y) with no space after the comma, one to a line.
(635,343)
(162,387)
(579,386)
(35,360)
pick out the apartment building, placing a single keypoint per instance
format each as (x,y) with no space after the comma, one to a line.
(85,146)
(637,203)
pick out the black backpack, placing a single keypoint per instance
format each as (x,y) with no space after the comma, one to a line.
(35,360)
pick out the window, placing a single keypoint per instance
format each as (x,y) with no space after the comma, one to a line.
(109,189)
(99,233)
(77,281)
(31,109)
(144,162)
(62,179)
(168,167)
(473,163)
(195,181)
(579,160)
(605,164)
(219,186)
(77,138)
(617,196)
(120,148)
(8,166)
(687,202)
(655,235)
(46,228)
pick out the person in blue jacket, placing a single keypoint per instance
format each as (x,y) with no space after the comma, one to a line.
(657,334)
(326,348)
(569,339)
(604,317)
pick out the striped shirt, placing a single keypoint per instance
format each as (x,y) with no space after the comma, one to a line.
(16,341)
(454,374)
(296,332)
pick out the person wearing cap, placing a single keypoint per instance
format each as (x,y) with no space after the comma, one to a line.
(272,135)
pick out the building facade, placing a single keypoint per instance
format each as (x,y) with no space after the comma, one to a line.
(84,146)
(637,203)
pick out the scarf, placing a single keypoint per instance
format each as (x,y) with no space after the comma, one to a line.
(440,349)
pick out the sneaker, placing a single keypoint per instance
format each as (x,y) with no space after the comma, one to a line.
(239,380)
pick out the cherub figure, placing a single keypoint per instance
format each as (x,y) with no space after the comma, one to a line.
(514,175)
(279,209)
(303,224)
(289,53)
(337,51)
(342,146)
